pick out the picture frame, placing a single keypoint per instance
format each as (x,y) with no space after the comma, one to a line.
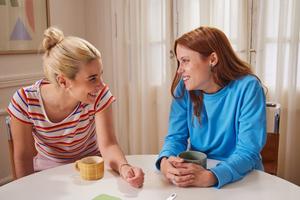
(22,25)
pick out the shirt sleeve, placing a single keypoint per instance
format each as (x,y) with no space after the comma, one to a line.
(18,107)
(177,138)
(103,100)
(251,137)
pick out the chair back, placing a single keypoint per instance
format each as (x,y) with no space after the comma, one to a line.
(10,146)
(270,151)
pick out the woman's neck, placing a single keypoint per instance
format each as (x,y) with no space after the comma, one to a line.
(57,97)
(58,104)
(212,88)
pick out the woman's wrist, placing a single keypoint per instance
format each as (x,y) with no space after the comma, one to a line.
(212,179)
(122,165)
(163,159)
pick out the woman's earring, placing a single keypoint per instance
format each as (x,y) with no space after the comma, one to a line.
(212,67)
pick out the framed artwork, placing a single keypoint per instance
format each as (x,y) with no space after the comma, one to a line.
(22,25)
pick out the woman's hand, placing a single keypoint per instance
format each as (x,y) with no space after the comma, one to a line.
(186,174)
(168,169)
(133,175)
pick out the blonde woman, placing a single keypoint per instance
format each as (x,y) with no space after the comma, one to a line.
(67,115)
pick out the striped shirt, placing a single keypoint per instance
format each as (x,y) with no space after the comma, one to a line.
(65,141)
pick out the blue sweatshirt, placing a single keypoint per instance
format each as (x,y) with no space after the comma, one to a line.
(232,128)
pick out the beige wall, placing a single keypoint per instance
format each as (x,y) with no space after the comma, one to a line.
(99,33)
(19,70)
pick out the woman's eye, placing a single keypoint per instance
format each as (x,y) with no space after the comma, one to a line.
(185,61)
(93,79)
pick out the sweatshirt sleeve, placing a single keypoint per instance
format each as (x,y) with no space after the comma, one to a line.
(251,137)
(177,137)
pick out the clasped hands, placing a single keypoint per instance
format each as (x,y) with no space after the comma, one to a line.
(133,175)
(186,174)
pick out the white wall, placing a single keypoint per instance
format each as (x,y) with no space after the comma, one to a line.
(20,70)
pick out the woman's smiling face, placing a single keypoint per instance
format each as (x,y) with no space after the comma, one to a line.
(195,70)
(88,82)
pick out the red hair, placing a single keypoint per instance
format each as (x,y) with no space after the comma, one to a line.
(205,41)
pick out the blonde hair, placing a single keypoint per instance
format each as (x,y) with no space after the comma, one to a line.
(65,55)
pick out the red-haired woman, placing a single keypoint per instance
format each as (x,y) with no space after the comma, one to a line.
(219,105)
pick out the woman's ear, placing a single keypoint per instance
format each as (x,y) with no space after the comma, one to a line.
(61,81)
(214,59)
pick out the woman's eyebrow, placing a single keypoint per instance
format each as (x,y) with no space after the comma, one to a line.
(183,57)
(92,76)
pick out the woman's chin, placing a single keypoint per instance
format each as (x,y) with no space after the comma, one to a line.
(189,88)
(89,100)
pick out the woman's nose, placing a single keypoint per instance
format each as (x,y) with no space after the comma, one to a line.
(100,84)
(179,70)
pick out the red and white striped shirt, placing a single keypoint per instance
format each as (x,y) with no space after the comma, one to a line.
(65,141)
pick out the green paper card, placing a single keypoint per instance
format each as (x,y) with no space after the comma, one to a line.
(105,197)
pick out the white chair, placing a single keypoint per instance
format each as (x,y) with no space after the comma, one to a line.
(10,146)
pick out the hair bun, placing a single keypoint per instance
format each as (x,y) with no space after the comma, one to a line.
(52,36)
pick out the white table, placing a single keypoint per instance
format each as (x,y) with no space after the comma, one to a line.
(64,183)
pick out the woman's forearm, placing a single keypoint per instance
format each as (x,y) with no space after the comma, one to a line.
(113,156)
(23,167)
